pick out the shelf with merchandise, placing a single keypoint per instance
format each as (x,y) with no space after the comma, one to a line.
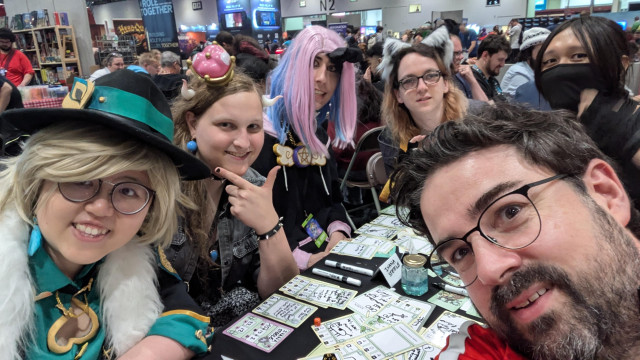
(52,51)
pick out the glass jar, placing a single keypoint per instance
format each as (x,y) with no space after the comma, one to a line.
(415,277)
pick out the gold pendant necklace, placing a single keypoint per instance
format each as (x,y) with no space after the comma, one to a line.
(77,325)
(300,156)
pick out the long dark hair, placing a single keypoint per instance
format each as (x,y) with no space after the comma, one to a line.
(604,42)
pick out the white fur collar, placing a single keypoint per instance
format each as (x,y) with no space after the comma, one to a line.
(127,283)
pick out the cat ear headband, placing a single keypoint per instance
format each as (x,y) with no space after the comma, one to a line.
(438,39)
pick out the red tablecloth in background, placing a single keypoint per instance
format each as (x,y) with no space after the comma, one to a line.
(44,103)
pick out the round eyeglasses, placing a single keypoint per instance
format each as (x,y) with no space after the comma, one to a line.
(429,78)
(127,198)
(511,221)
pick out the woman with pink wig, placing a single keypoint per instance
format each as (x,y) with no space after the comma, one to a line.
(317,81)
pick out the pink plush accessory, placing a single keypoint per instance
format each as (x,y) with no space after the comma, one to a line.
(213,64)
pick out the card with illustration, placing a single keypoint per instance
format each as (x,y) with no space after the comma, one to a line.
(388,221)
(447,300)
(342,329)
(317,292)
(258,332)
(347,248)
(371,302)
(287,311)
(382,232)
(295,285)
(389,342)
(448,323)
(414,243)
(424,352)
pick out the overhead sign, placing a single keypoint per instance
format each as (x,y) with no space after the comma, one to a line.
(160,24)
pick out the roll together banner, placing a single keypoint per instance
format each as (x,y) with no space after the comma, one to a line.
(160,24)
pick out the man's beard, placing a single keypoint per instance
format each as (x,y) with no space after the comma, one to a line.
(5,48)
(493,72)
(602,319)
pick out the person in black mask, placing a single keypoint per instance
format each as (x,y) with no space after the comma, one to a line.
(581,67)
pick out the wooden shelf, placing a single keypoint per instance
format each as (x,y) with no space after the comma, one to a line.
(50,42)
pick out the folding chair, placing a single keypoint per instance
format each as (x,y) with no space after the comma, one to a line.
(377,176)
(368,142)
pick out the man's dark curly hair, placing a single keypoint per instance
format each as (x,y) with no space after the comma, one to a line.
(6,33)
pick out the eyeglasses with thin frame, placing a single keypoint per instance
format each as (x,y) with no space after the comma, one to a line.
(127,198)
(511,221)
(431,77)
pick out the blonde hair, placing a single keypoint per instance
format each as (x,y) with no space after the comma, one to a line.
(147,58)
(205,96)
(64,152)
(397,116)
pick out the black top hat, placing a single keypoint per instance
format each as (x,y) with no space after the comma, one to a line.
(124,101)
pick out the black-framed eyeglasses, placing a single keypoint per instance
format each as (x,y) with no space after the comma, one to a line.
(511,221)
(126,197)
(411,82)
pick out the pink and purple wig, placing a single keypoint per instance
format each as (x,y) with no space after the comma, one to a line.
(294,79)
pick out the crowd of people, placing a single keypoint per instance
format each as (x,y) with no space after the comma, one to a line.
(159,204)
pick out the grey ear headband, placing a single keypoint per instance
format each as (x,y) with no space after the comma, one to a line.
(439,40)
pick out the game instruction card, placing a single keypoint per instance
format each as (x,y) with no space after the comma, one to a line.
(318,292)
(349,248)
(407,239)
(371,302)
(258,332)
(448,323)
(388,221)
(342,329)
(379,231)
(388,342)
(287,311)
(384,246)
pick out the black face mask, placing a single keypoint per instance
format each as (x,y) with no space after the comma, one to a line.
(562,84)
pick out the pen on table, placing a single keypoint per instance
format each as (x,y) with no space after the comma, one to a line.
(338,277)
(352,268)
(451,289)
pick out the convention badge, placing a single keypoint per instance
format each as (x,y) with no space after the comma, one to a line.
(314,230)
(3,71)
(80,94)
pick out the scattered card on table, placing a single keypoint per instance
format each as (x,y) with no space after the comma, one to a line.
(382,232)
(448,323)
(287,311)
(388,342)
(342,329)
(447,300)
(318,292)
(258,332)
(347,248)
(388,221)
(372,301)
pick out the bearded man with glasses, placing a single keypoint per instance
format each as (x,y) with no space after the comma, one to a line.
(529,216)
